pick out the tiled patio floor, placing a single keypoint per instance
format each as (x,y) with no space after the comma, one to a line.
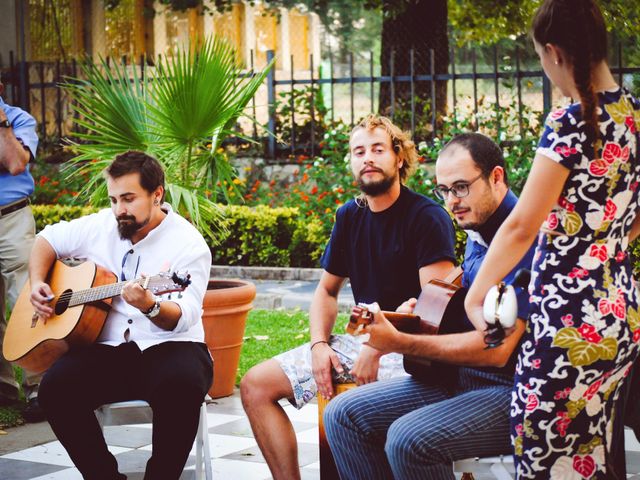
(234,451)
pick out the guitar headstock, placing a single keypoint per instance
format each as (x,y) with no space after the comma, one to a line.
(167,282)
(361,316)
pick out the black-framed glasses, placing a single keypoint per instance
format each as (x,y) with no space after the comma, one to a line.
(458,189)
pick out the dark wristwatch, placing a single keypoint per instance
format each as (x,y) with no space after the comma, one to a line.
(154,310)
(5,124)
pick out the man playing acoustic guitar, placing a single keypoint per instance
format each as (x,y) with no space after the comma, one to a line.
(389,242)
(151,348)
(407,427)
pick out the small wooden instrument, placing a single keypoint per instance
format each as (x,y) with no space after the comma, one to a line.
(328,470)
(82,300)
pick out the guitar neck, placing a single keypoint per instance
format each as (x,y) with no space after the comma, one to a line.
(405,322)
(410,323)
(100,293)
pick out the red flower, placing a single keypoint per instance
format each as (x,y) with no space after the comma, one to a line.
(613,151)
(519,430)
(556,114)
(599,251)
(585,466)
(314,190)
(630,122)
(565,150)
(588,332)
(619,307)
(578,272)
(610,209)
(560,394)
(567,320)
(535,363)
(621,255)
(552,221)
(568,206)
(562,423)
(636,335)
(592,390)
(598,167)
(532,402)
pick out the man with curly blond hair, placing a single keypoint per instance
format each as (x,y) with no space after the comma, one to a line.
(389,242)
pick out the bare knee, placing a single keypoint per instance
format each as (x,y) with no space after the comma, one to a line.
(264,383)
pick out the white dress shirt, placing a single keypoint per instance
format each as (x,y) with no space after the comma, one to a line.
(173,245)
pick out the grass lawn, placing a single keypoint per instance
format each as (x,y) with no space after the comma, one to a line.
(268,333)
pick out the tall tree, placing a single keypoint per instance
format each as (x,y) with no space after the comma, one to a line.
(411,31)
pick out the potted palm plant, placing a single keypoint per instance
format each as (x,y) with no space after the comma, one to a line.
(179,113)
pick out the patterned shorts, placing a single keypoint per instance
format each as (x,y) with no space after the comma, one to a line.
(296,365)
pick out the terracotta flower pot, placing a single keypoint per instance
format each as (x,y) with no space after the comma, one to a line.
(226,306)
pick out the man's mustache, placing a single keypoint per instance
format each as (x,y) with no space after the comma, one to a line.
(123,218)
(371,169)
(457,209)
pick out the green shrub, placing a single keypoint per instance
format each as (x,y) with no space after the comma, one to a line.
(48,214)
(257,236)
(268,237)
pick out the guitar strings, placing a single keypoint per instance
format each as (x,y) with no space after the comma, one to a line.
(66,296)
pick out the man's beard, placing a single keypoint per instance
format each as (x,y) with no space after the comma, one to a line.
(373,189)
(128,229)
(482,213)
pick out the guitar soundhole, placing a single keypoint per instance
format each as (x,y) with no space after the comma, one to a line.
(63,302)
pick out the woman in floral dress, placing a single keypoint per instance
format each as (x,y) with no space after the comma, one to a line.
(581,197)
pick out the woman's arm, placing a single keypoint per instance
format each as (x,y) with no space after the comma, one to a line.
(518,232)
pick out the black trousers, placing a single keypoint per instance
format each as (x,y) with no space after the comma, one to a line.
(173,377)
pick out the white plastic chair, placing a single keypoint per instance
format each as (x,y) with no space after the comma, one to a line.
(139,411)
(501,467)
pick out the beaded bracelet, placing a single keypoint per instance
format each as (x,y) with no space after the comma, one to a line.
(316,343)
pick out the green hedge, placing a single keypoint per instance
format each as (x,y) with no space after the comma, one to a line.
(257,236)
(261,236)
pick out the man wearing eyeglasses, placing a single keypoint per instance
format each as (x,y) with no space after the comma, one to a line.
(410,428)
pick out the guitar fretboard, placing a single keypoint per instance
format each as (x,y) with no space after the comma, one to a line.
(100,293)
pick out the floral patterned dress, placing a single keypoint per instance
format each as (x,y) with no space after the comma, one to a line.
(584,326)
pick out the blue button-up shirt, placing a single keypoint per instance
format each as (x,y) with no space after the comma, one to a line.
(478,243)
(17,187)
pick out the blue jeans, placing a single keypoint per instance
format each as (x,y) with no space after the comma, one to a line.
(405,429)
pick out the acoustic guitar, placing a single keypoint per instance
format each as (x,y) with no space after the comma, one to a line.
(81,302)
(439,301)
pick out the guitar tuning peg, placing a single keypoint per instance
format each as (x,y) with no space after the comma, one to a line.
(180,295)
(169,297)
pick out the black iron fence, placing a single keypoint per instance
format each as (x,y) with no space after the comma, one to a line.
(35,86)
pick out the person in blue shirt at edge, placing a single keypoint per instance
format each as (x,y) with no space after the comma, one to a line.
(389,242)
(414,427)
(18,144)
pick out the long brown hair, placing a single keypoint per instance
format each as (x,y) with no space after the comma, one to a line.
(577,27)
